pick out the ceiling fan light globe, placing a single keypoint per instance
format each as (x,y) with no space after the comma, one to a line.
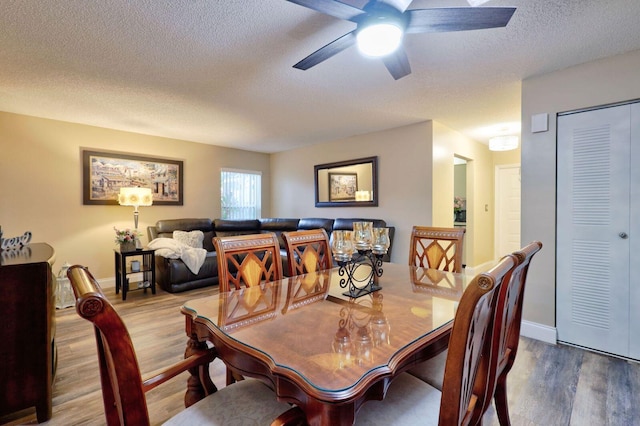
(379,39)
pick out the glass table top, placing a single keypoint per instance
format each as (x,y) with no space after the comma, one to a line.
(305,323)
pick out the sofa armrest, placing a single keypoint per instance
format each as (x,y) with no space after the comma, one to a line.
(152,233)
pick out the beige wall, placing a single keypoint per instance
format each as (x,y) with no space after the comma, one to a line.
(596,83)
(41,185)
(507,157)
(480,176)
(415,179)
(404,179)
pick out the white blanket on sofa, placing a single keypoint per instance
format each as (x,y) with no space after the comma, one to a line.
(172,249)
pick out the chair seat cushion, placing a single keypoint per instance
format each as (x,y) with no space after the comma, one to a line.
(409,401)
(432,370)
(245,403)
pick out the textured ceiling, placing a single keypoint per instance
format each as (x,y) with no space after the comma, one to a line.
(220,71)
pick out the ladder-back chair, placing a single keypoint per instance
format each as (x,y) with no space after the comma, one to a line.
(437,248)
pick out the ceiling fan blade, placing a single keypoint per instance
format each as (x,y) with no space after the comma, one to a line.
(397,63)
(457,19)
(324,53)
(332,8)
(400,5)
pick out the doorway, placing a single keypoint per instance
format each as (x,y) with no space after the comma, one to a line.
(507,217)
(460,202)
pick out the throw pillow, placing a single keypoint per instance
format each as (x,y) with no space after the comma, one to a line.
(192,239)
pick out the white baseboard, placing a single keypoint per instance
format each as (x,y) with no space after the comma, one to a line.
(540,332)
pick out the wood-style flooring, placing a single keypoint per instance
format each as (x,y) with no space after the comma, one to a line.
(549,385)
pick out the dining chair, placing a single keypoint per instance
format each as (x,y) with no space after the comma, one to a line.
(437,248)
(506,336)
(250,402)
(409,400)
(307,251)
(247,260)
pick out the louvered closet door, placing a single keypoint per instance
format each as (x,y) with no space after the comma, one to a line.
(593,230)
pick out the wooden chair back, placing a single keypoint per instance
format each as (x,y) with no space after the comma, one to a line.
(307,251)
(506,334)
(466,375)
(247,260)
(437,248)
(122,387)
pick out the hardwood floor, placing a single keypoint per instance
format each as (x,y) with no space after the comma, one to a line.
(562,385)
(548,386)
(157,330)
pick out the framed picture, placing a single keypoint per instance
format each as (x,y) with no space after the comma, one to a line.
(104,173)
(343,186)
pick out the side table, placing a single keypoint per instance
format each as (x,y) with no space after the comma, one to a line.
(147,262)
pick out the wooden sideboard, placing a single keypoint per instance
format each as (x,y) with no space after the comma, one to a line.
(27,329)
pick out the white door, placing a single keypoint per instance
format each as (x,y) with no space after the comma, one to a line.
(507,218)
(634,231)
(593,229)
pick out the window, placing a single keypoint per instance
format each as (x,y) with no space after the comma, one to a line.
(241,194)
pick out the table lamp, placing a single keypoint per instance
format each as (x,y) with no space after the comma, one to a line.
(135,196)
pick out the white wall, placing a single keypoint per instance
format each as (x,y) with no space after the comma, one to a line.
(600,82)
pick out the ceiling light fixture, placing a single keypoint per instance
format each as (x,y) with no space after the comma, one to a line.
(503,143)
(379,36)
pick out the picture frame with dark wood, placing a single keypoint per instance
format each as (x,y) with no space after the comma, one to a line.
(343,186)
(104,173)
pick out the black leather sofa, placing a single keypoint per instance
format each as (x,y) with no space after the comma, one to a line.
(173,275)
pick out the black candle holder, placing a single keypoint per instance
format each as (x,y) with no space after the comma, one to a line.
(362,283)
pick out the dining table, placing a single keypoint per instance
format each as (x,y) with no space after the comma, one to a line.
(322,350)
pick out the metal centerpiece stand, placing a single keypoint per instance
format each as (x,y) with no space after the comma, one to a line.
(358,254)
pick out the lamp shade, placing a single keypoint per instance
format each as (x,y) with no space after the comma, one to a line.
(135,196)
(503,143)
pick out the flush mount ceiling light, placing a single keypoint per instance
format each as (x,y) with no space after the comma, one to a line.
(503,143)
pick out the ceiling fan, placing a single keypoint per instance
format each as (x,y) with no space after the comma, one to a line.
(389,20)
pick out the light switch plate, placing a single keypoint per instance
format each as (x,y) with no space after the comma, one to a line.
(539,123)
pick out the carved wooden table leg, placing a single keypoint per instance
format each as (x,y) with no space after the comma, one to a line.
(199,383)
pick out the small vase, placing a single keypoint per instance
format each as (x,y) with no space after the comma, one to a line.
(127,246)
